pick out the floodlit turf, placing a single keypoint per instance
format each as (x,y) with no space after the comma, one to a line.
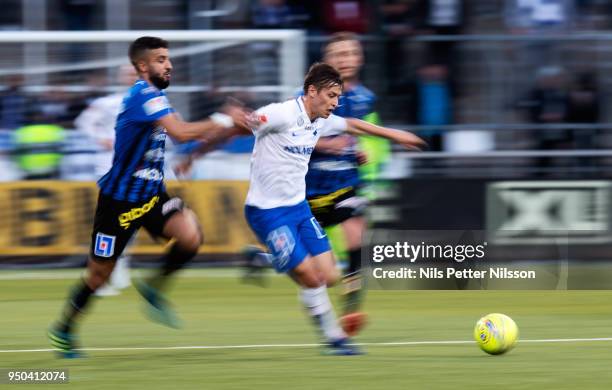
(220,311)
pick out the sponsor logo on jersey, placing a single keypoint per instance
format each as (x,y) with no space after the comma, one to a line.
(105,245)
(305,150)
(149,174)
(155,105)
(126,218)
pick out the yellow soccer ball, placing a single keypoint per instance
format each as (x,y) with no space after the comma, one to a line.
(496,333)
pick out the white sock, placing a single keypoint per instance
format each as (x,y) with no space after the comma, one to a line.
(120,278)
(319,307)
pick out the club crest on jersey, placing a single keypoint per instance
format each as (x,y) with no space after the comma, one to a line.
(105,245)
(300,121)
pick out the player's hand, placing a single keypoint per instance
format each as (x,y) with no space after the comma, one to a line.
(409,141)
(183,168)
(362,157)
(239,115)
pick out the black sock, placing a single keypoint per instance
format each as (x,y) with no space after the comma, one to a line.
(174,260)
(352,282)
(76,303)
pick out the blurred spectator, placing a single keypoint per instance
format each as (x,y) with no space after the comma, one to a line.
(539,16)
(13,104)
(583,107)
(548,103)
(270,14)
(345,15)
(398,23)
(38,150)
(53,107)
(78,14)
(433,103)
(398,17)
(97,121)
(441,17)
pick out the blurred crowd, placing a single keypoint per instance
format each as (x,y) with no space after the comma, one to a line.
(530,74)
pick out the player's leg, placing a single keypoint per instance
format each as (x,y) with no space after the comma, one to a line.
(118,280)
(108,242)
(352,284)
(172,221)
(279,229)
(347,213)
(316,300)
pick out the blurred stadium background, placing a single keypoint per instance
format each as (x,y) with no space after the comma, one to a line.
(511,94)
(511,90)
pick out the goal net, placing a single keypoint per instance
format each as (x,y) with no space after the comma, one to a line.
(61,71)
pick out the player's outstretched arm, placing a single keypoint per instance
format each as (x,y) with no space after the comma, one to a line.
(186,131)
(404,138)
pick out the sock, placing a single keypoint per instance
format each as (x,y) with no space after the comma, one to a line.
(120,278)
(174,260)
(352,283)
(76,303)
(320,309)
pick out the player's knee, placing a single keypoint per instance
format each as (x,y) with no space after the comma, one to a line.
(98,274)
(190,242)
(332,277)
(308,277)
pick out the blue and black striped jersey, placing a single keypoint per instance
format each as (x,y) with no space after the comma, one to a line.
(328,173)
(137,172)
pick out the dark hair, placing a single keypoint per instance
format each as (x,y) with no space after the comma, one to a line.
(321,75)
(142,44)
(341,36)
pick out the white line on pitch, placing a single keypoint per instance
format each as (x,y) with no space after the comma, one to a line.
(264,346)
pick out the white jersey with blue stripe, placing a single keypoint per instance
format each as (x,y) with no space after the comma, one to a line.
(284,141)
(137,172)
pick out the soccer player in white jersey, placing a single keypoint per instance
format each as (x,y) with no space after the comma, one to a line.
(98,122)
(276,207)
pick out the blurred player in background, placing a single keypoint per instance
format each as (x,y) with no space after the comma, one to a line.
(333,182)
(133,195)
(98,122)
(276,207)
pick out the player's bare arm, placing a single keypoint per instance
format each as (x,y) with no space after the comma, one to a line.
(404,138)
(186,131)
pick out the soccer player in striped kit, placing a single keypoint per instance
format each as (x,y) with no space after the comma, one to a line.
(132,193)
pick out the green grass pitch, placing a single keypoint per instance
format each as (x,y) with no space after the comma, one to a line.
(220,311)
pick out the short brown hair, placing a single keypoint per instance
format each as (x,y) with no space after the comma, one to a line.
(341,36)
(321,75)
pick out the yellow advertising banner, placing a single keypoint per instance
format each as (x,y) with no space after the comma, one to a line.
(49,218)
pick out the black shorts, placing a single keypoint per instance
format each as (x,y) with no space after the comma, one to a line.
(335,208)
(116,222)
